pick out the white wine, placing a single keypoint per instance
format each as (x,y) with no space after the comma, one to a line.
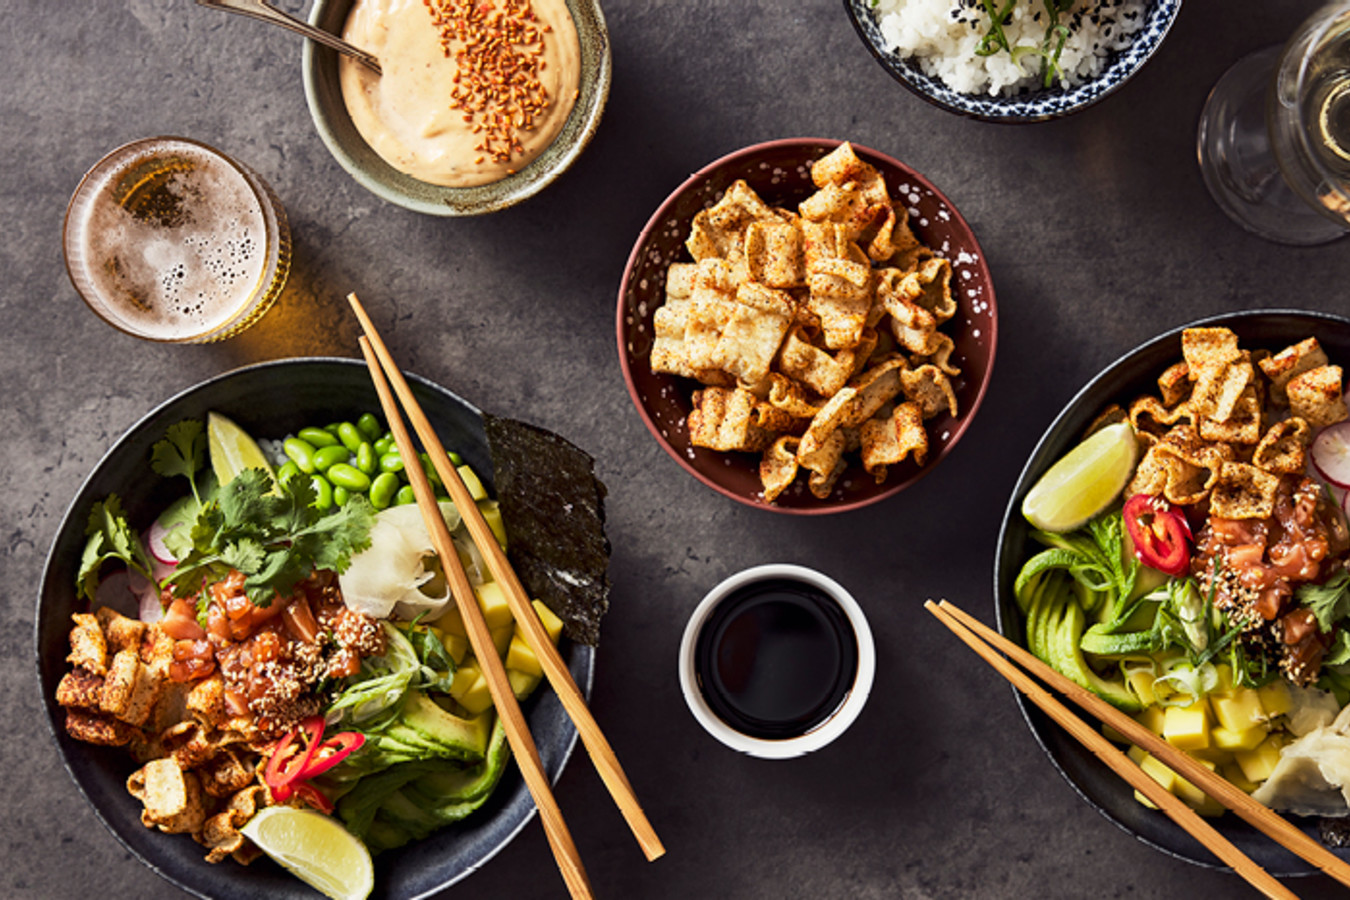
(170,240)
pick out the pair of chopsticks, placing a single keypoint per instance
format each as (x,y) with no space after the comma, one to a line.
(988,644)
(383,372)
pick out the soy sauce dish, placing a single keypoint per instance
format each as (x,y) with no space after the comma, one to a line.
(777,661)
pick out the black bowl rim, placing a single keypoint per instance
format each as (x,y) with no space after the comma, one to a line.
(750,151)
(586,685)
(914,79)
(1034,465)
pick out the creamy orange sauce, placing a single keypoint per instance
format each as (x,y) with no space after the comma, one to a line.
(426,118)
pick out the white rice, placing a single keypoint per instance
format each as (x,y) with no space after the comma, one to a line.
(943,35)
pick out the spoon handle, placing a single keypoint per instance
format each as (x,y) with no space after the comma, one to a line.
(260,9)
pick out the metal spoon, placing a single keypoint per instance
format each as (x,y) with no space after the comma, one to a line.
(260,9)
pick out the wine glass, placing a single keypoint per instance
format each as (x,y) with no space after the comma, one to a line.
(1274,137)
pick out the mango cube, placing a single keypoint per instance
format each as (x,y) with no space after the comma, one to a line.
(451,622)
(522,684)
(456,645)
(478,698)
(520,657)
(1154,768)
(1141,682)
(492,514)
(1275,698)
(1189,793)
(1257,764)
(501,638)
(1151,717)
(1232,773)
(492,601)
(552,624)
(1239,710)
(1187,727)
(464,678)
(1247,739)
(472,482)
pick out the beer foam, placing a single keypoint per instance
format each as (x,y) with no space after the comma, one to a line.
(174,242)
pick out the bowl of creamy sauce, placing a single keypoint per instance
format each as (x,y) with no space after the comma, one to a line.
(480,103)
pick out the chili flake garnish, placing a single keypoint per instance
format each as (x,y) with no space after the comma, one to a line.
(498,54)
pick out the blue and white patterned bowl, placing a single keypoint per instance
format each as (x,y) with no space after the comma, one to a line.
(1029,106)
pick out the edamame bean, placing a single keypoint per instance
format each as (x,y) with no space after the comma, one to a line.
(391,462)
(385,444)
(327,457)
(341,495)
(287,470)
(405,495)
(323,491)
(332,428)
(349,477)
(369,425)
(366,460)
(455,458)
(301,453)
(350,436)
(383,489)
(317,437)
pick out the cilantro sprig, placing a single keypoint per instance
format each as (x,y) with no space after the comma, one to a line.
(273,534)
(109,537)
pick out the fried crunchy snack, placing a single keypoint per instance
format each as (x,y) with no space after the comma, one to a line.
(199,763)
(1227,423)
(814,333)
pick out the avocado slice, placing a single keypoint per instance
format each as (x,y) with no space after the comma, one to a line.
(457,738)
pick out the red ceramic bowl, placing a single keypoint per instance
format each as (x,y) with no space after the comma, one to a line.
(780,172)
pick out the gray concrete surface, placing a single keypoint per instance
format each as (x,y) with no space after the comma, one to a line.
(1099,234)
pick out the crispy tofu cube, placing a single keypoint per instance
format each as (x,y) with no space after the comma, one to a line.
(80,689)
(172,797)
(520,657)
(1257,764)
(492,601)
(88,647)
(1187,727)
(1238,710)
(130,689)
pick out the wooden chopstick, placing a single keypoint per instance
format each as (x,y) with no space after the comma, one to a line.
(503,698)
(1119,763)
(1260,817)
(597,746)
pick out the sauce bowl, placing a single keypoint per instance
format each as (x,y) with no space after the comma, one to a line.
(323,93)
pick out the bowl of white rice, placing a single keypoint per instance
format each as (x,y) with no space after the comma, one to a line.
(1042,60)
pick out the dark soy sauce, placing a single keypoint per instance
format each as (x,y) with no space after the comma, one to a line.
(776,658)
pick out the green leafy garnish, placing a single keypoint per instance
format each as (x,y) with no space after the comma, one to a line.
(181,452)
(1329,601)
(109,537)
(272,534)
(1050,48)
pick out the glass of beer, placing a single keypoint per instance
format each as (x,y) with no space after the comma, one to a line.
(1274,137)
(171,240)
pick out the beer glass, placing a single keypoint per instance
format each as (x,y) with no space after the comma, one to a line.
(1274,137)
(171,240)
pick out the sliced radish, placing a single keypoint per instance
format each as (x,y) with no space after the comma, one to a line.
(149,607)
(1331,454)
(154,542)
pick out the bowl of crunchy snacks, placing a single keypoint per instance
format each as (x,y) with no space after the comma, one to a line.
(1038,60)
(239,644)
(807,326)
(1177,543)
(475,108)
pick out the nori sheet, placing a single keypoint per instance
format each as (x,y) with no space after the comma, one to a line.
(553,507)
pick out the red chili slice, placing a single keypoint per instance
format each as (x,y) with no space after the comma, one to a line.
(1161,534)
(313,796)
(331,752)
(287,763)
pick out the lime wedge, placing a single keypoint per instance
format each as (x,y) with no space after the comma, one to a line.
(232,450)
(1084,481)
(314,848)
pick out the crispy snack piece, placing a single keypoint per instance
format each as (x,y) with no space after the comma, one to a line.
(1315,396)
(888,439)
(1174,384)
(88,646)
(172,797)
(778,466)
(752,333)
(774,253)
(1243,491)
(220,833)
(1290,362)
(1242,425)
(929,387)
(1283,449)
(130,689)
(1149,416)
(813,366)
(724,419)
(94,728)
(1180,466)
